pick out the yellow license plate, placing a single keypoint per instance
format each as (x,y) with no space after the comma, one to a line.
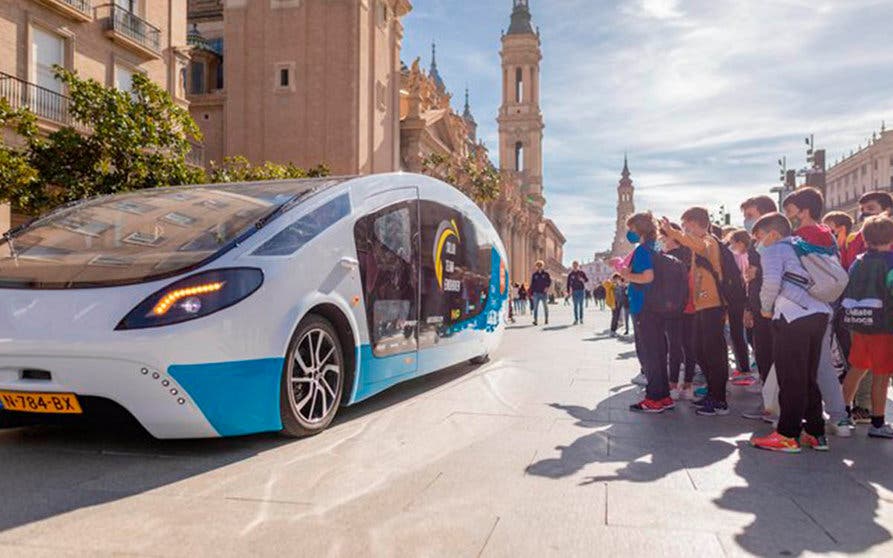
(33,402)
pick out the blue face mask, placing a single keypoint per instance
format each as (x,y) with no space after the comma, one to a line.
(749,223)
(659,246)
(633,237)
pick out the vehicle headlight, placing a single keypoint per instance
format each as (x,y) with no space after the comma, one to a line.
(194,297)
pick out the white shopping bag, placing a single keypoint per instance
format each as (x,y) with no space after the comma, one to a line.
(770,393)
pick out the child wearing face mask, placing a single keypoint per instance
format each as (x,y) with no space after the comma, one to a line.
(803,209)
(870,204)
(799,322)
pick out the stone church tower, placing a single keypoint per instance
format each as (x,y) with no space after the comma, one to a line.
(521,132)
(625,207)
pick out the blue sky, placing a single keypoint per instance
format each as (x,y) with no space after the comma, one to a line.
(705,95)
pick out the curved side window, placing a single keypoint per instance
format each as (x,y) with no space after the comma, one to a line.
(295,236)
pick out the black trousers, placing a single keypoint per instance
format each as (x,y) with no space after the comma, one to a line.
(798,349)
(763,345)
(651,346)
(739,340)
(681,346)
(615,318)
(844,340)
(711,350)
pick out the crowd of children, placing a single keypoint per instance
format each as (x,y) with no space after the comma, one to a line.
(806,296)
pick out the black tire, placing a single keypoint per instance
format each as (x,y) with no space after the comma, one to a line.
(311,385)
(483,359)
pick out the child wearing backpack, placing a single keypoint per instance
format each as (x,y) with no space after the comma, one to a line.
(803,209)
(868,313)
(710,315)
(799,321)
(649,325)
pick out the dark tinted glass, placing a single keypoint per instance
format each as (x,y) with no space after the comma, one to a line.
(139,236)
(305,229)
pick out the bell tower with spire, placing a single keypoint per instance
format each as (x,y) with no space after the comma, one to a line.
(625,208)
(520,119)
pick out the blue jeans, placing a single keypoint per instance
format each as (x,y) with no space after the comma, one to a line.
(537,298)
(579,298)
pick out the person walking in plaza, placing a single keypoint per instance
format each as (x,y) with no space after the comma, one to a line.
(709,312)
(753,210)
(799,322)
(600,293)
(576,286)
(540,283)
(522,299)
(803,208)
(869,304)
(621,298)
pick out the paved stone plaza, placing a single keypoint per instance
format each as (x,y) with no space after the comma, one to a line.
(532,454)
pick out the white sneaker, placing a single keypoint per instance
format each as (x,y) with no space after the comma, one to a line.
(640,380)
(675,394)
(842,428)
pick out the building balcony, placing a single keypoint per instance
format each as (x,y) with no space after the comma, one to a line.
(44,103)
(132,31)
(78,10)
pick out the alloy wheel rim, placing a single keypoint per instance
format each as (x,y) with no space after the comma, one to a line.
(315,377)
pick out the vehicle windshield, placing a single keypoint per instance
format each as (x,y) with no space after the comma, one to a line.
(141,236)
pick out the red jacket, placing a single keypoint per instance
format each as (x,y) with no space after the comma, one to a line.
(855,246)
(817,235)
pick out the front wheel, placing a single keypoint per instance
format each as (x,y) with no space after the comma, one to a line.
(312,378)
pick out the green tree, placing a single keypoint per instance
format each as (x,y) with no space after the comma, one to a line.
(239,169)
(122,141)
(474,176)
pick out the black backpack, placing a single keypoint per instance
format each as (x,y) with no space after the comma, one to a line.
(867,301)
(668,293)
(731,286)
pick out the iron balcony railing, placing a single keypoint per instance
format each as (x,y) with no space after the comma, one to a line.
(43,102)
(134,27)
(82,6)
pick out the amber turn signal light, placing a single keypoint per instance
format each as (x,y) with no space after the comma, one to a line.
(176,295)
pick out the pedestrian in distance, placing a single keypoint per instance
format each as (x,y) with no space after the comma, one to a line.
(709,312)
(612,289)
(576,286)
(522,299)
(540,282)
(799,321)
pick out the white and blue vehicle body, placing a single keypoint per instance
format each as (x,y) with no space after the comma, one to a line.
(180,304)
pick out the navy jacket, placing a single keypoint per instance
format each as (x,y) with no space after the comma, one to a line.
(540,282)
(576,281)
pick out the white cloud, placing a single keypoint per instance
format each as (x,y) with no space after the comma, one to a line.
(704,95)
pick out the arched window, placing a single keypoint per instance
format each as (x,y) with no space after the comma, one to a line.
(519,85)
(519,157)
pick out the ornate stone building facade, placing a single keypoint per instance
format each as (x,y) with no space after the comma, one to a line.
(302,81)
(625,207)
(518,214)
(869,168)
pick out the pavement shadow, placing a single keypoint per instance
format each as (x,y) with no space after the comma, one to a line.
(51,470)
(801,504)
(557,327)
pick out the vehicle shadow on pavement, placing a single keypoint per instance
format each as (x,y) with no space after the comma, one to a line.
(808,503)
(52,470)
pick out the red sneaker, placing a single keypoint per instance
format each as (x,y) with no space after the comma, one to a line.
(668,403)
(648,406)
(776,442)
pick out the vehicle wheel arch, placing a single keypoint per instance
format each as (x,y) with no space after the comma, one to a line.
(347,335)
